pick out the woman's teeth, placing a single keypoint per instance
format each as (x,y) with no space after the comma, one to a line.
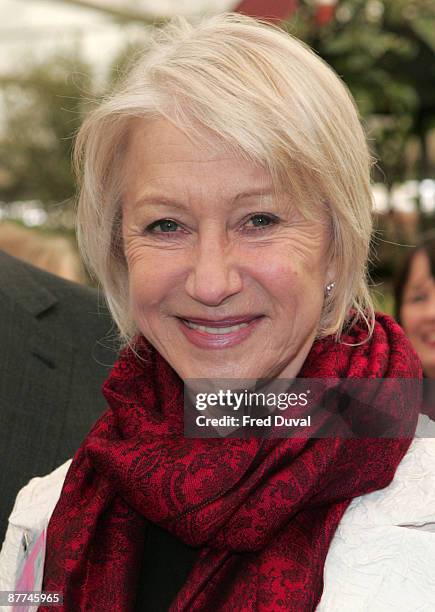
(216,330)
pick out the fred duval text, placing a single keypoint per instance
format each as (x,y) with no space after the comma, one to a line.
(276,420)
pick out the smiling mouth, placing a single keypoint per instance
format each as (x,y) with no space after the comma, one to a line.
(222,326)
(208,333)
(215,330)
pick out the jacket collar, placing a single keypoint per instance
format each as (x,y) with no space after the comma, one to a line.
(19,283)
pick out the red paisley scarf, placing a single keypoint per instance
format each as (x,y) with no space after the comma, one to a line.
(263,512)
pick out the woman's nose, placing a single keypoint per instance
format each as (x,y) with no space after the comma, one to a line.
(214,274)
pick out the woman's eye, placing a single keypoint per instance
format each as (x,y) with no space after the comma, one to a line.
(259,221)
(163,226)
(418,298)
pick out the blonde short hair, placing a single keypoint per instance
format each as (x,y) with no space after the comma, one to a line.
(266,95)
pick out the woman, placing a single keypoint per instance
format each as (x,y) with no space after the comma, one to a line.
(414,293)
(225,206)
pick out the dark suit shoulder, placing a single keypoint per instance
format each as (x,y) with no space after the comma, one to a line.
(15,274)
(58,345)
(75,312)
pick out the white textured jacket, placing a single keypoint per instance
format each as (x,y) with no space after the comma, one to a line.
(381,559)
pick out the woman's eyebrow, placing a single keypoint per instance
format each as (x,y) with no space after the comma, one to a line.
(163,200)
(159,200)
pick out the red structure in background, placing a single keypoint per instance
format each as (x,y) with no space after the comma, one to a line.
(278,10)
(272,10)
(325,11)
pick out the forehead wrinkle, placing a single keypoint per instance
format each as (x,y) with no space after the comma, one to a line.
(189,174)
(161,199)
(202,147)
(172,187)
(187,152)
(194,160)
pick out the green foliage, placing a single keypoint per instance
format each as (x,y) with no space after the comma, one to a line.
(383,298)
(383,50)
(44,105)
(43,108)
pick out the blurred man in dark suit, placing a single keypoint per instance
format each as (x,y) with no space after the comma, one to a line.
(54,356)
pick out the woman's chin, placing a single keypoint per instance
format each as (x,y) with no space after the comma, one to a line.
(226,372)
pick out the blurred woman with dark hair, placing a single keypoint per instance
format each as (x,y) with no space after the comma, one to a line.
(414,293)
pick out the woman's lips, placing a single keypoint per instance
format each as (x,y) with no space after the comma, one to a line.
(218,334)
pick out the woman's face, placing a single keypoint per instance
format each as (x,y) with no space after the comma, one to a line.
(418,311)
(226,279)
